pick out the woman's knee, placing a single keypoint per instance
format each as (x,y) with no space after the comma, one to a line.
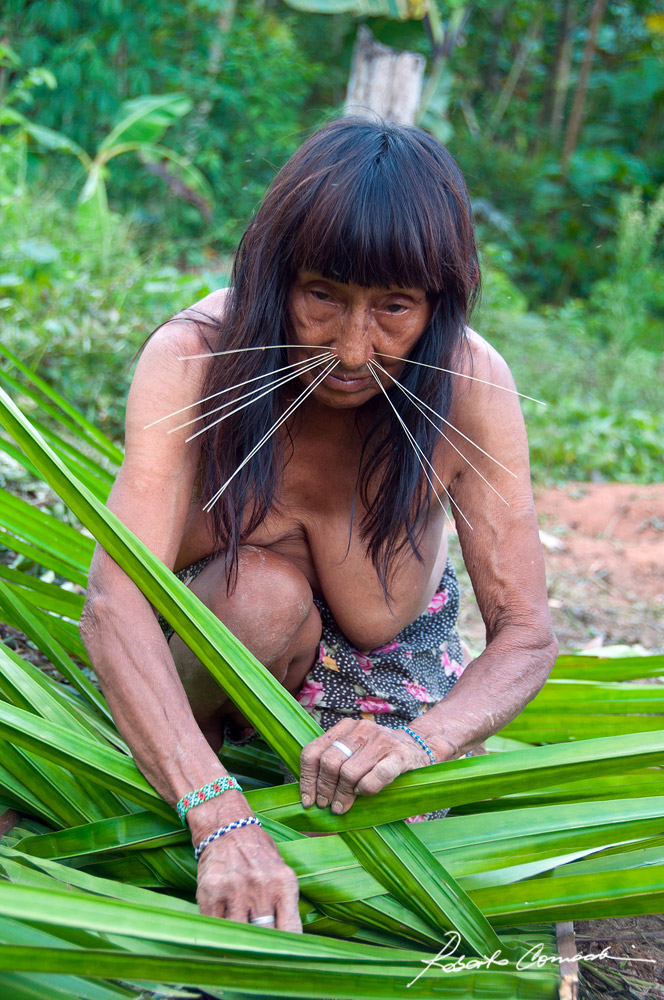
(269,606)
(271,582)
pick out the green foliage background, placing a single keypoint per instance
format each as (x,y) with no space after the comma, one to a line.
(95,252)
(574,285)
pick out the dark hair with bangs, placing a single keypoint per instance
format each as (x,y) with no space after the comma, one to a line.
(363,201)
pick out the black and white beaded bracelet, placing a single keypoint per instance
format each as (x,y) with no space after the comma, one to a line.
(216,834)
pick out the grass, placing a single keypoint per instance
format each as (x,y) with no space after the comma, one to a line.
(604,418)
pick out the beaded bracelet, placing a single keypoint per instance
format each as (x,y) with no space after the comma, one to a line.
(216,834)
(209,791)
(418,739)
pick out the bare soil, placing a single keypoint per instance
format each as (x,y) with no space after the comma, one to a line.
(604,554)
(636,946)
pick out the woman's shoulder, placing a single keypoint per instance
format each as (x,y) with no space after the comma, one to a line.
(484,375)
(481,359)
(175,361)
(193,329)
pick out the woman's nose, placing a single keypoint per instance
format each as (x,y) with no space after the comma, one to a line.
(354,343)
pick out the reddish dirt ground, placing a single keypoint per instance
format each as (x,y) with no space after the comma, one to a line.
(609,574)
(604,553)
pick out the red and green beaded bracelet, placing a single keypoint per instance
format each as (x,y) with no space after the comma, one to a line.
(200,795)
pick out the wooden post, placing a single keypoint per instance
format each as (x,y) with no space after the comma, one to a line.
(569,967)
(384,81)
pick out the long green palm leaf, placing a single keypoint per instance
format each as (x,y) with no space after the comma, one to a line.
(590,667)
(79,423)
(29,623)
(283,722)
(47,596)
(456,781)
(228,953)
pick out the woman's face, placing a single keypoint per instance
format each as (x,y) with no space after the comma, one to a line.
(358,325)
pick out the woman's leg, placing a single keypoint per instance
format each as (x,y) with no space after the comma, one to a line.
(271,611)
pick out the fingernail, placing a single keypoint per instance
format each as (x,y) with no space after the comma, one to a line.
(337,807)
(306,801)
(322,801)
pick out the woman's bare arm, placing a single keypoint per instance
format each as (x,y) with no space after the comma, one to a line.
(241,874)
(504,558)
(503,555)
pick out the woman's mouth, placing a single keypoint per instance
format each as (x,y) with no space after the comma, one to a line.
(349,383)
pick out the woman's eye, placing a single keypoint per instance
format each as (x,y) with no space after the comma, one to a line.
(395,308)
(320,295)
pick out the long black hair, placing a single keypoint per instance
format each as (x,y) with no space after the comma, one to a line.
(363,201)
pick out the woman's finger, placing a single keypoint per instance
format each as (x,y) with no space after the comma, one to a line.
(382,758)
(381,774)
(288,914)
(277,896)
(310,763)
(352,772)
(237,910)
(263,906)
(334,762)
(211,904)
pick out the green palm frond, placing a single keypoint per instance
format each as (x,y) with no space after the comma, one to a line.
(542,833)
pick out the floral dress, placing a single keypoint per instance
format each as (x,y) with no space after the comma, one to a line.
(392,685)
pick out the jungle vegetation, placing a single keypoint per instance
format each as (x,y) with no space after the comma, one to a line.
(135,142)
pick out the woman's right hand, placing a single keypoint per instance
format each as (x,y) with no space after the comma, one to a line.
(242,875)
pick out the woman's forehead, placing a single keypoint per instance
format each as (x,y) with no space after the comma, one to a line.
(305,274)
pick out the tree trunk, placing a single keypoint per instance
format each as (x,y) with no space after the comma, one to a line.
(384,81)
(579,103)
(525,49)
(215,59)
(561,71)
(497,18)
(444,37)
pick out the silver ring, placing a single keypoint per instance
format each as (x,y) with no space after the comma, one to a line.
(344,749)
(269,918)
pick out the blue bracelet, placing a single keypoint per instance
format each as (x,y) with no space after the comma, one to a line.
(235,825)
(418,739)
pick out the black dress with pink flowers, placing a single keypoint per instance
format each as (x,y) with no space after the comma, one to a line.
(396,683)
(392,685)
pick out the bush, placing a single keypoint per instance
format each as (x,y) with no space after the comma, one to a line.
(249,113)
(605,402)
(627,308)
(79,310)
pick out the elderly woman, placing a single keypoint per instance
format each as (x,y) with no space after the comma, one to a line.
(292,446)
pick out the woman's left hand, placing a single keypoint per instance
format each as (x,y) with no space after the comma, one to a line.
(379,755)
